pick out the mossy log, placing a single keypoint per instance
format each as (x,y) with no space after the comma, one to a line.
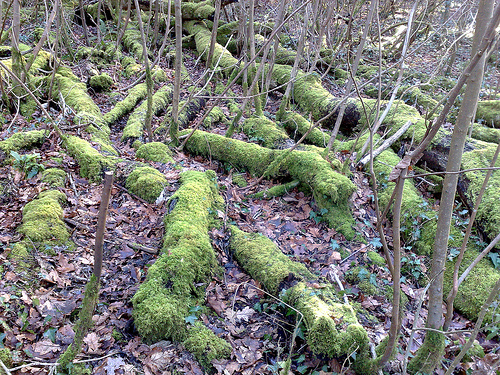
(155,151)
(332,326)
(276,191)
(42,226)
(265,262)
(221,56)
(477,154)
(265,132)
(474,290)
(187,261)
(21,140)
(141,179)
(296,126)
(486,134)
(126,105)
(488,113)
(331,189)
(308,92)
(134,128)
(187,113)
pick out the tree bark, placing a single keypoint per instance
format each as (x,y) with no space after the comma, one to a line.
(432,344)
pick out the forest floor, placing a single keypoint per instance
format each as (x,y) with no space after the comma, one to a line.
(38,310)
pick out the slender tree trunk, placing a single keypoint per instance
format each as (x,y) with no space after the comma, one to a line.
(16,54)
(149,80)
(174,126)
(434,342)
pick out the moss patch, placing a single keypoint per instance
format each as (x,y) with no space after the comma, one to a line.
(76,96)
(474,291)
(376,258)
(23,140)
(92,163)
(488,113)
(101,82)
(486,134)
(42,220)
(428,354)
(147,183)
(488,214)
(264,131)
(206,346)
(276,191)
(155,151)
(296,126)
(55,177)
(332,327)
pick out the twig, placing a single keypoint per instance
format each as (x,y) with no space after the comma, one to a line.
(115,240)
(387,143)
(7,371)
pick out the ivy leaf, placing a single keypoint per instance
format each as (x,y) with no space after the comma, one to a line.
(376,242)
(190,319)
(495,259)
(334,244)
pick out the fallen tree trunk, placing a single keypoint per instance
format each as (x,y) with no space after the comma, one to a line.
(477,154)
(332,327)
(176,280)
(331,190)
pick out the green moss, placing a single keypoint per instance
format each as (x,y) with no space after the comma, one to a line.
(75,95)
(136,121)
(175,281)
(20,251)
(368,288)
(297,126)
(55,177)
(239,180)
(486,134)
(425,244)
(101,82)
(133,42)
(147,183)
(92,163)
(222,57)
(430,353)
(312,97)
(200,11)
(264,131)
(206,346)
(23,140)
(215,116)
(276,191)
(262,259)
(474,290)
(332,327)
(375,258)
(488,112)
(155,151)
(488,214)
(413,208)
(42,220)
(6,358)
(352,276)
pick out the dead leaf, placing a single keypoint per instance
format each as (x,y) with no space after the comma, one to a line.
(240,315)
(42,348)
(92,340)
